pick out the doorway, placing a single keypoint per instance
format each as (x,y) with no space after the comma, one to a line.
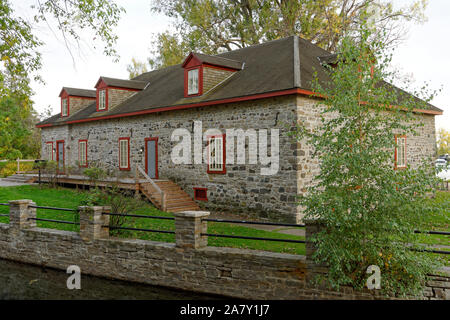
(151,157)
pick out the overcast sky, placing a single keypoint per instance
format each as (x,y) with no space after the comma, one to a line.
(423,54)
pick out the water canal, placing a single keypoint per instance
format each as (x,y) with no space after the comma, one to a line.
(23,281)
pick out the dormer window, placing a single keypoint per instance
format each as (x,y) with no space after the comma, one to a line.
(64,108)
(111,92)
(193,81)
(203,73)
(102,99)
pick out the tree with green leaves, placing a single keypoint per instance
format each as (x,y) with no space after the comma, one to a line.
(443,142)
(368,209)
(214,26)
(20,60)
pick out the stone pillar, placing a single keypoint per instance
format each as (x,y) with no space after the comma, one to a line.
(20,212)
(93,222)
(312,227)
(189,227)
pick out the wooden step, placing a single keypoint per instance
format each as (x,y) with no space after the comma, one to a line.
(176,199)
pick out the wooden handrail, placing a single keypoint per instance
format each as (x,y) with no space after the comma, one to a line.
(163,198)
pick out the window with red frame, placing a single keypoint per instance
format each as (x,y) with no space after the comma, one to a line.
(216,154)
(82,153)
(124,153)
(64,108)
(201,194)
(102,99)
(400,151)
(193,76)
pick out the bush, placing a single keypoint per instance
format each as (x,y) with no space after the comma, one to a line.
(120,201)
(9,168)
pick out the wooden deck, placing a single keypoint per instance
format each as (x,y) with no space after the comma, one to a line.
(175,199)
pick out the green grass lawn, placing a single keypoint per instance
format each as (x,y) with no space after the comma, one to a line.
(70,198)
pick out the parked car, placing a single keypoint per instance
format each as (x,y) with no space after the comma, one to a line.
(440,162)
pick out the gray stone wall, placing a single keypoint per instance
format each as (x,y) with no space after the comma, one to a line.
(187,265)
(242,188)
(419,147)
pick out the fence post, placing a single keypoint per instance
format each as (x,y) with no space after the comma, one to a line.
(189,228)
(20,214)
(313,269)
(94,224)
(18,165)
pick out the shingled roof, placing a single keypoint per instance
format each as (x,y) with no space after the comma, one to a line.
(288,63)
(79,92)
(215,60)
(123,83)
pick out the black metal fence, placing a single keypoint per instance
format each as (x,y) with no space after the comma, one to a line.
(75,211)
(254,223)
(138,216)
(432,232)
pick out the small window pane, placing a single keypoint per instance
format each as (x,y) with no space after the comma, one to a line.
(123,154)
(216,161)
(82,156)
(101,100)
(65,110)
(401,152)
(193,81)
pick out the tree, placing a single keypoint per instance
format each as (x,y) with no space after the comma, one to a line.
(21,60)
(136,68)
(443,142)
(368,209)
(213,26)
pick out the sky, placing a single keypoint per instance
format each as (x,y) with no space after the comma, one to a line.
(421,55)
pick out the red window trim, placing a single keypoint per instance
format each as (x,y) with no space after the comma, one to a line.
(200,81)
(224,155)
(106,98)
(156,157)
(68,106)
(50,142)
(128,139)
(199,198)
(86,153)
(395,152)
(64,154)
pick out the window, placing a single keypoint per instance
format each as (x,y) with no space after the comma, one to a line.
(82,153)
(201,194)
(193,81)
(400,152)
(102,99)
(216,154)
(65,108)
(49,151)
(124,153)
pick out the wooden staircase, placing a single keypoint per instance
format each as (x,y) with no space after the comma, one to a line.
(166,195)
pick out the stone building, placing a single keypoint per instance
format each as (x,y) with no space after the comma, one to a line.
(264,90)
